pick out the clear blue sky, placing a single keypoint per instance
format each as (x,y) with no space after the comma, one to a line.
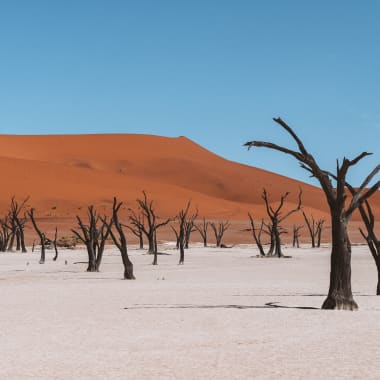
(215,71)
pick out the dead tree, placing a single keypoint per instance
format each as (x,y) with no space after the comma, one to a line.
(40,234)
(277,218)
(18,222)
(320,224)
(182,220)
(185,227)
(4,233)
(257,234)
(219,230)
(121,241)
(296,235)
(137,230)
(94,236)
(55,244)
(370,237)
(12,226)
(176,237)
(189,228)
(340,293)
(315,228)
(149,230)
(202,229)
(311,227)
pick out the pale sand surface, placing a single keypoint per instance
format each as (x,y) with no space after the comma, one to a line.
(207,319)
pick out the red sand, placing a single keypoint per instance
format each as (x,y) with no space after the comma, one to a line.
(63,174)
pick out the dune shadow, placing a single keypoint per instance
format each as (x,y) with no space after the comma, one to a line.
(268,305)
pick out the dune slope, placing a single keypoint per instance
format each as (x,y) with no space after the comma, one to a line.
(64,173)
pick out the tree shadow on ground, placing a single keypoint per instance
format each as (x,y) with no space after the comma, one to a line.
(268,305)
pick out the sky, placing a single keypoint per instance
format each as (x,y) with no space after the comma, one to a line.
(216,71)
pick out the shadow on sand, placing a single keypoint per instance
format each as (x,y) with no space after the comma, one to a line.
(268,305)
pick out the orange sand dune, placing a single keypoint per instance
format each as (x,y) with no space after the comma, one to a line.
(63,174)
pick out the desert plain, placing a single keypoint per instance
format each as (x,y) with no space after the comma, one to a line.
(225,314)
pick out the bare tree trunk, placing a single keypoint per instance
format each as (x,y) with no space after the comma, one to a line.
(42,258)
(151,244)
(92,267)
(128,267)
(319,232)
(22,240)
(11,242)
(181,253)
(55,245)
(121,242)
(155,251)
(272,243)
(340,293)
(378,277)
(18,241)
(40,234)
(276,232)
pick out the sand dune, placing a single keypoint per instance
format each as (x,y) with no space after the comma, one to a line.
(63,174)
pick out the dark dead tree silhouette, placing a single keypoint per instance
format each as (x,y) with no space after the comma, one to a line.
(219,229)
(276,217)
(202,229)
(136,228)
(54,242)
(189,227)
(320,224)
(371,238)
(296,235)
(311,227)
(182,220)
(40,234)
(314,228)
(152,225)
(5,233)
(120,240)
(12,227)
(256,233)
(94,236)
(185,227)
(19,222)
(176,233)
(340,293)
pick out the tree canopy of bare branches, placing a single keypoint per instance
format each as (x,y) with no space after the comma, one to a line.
(276,217)
(152,223)
(94,236)
(202,229)
(315,228)
(257,234)
(219,229)
(185,228)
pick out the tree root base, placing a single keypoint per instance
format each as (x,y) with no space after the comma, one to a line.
(339,303)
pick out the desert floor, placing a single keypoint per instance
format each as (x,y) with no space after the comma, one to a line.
(225,314)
